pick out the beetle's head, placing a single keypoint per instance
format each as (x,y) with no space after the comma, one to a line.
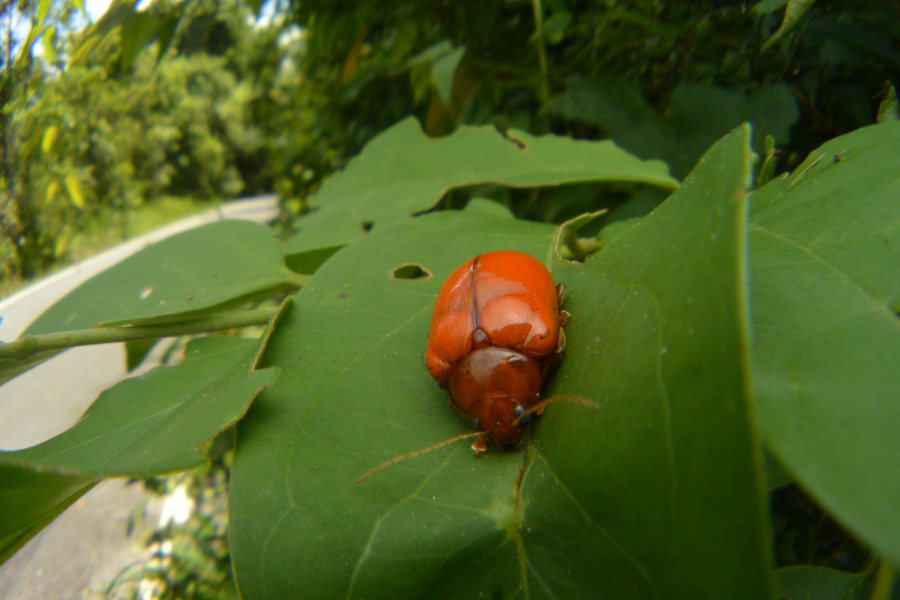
(495,387)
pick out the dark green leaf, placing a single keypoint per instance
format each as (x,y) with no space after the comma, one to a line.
(697,114)
(30,499)
(825,287)
(137,31)
(403,172)
(656,494)
(136,351)
(157,422)
(167,30)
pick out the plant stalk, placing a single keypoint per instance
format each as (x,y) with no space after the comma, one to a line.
(32,344)
(885,578)
(538,9)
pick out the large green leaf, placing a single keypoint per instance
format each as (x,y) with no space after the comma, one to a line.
(403,172)
(185,276)
(826,284)
(157,423)
(654,495)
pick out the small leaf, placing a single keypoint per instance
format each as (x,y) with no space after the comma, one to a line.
(43,9)
(889,108)
(138,30)
(555,26)
(52,190)
(443,72)
(73,187)
(118,13)
(432,53)
(48,42)
(83,50)
(793,13)
(167,30)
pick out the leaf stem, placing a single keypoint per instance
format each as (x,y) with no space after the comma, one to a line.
(32,344)
(538,9)
(885,578)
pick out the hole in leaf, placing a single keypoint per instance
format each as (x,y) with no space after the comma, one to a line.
(367,226)
(410,271)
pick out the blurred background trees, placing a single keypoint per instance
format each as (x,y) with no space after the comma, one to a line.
(215,99)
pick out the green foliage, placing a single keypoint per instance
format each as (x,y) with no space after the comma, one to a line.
(709,323)
(123,126)
(646,54)
(657,492)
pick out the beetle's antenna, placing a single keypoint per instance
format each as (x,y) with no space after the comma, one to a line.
(540,406)
(416,453)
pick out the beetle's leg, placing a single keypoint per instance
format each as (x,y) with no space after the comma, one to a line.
(561,342)
(563,318)
(480,446)
(458,410)
(560,293)
(551,360)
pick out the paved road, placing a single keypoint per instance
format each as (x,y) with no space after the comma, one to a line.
(86,546)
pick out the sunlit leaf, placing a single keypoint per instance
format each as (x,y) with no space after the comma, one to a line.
(187,275)
(73,187)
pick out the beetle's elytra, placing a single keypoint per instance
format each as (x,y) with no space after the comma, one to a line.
(496,330)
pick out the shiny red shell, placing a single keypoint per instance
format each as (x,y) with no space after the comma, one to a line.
(495,331)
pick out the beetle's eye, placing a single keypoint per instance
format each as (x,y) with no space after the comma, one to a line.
(476,424)
(520,410)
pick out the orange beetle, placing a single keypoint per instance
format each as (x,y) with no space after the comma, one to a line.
(496,330)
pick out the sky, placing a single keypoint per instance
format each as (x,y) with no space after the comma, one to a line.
(96,8)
